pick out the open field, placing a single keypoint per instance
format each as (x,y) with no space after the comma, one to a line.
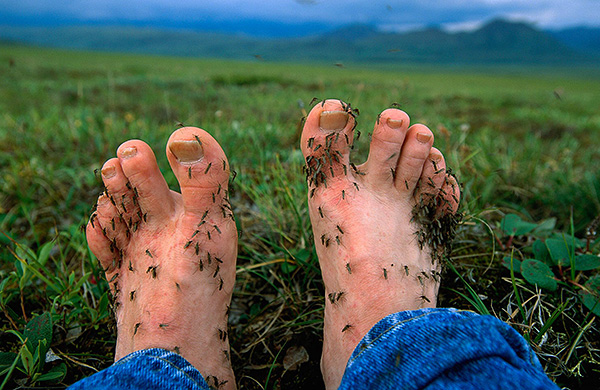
(523,141)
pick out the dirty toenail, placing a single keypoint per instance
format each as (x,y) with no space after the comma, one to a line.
(102,199)
(186,151)
(333,120)
(129,152)
(435,157)
(423,137)
(395,123)
(109,172)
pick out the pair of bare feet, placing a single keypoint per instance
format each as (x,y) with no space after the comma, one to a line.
(170,258)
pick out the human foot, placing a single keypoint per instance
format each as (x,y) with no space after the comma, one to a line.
(169,257)
(380,228)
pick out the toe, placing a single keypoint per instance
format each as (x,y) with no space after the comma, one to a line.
(97,239)
(433,175)
(413,155)
(388,136)
(145,187)
(326,141)
(451,195)
(201,168)
(107,235)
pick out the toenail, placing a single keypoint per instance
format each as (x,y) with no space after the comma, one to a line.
(395,123)
(109,171)
(186,151)
(129,152)
(333,120)
(435,157)
(423,137)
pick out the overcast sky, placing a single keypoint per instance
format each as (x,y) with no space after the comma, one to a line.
(386,14)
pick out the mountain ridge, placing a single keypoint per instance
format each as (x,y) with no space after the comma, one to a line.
(498,41)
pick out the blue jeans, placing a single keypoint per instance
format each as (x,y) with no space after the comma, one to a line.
(429,348)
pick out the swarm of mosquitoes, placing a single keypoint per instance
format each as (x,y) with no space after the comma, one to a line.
(205,230)
(435,231)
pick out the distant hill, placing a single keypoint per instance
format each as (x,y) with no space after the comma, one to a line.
(584,39)
(497,42)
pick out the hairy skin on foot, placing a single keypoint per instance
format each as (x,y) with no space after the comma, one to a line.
(169,257)
(380,228)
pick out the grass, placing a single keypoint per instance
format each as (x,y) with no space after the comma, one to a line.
(521,141)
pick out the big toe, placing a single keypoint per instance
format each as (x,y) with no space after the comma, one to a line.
(326,142)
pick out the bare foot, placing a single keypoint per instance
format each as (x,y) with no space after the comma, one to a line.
(170,257)
(380,228)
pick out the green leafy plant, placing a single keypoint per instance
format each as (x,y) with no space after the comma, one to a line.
(35,342)
(559,259)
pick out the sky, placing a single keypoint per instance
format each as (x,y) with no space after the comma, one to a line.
(300,17)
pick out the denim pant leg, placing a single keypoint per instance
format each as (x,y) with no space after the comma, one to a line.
(443,349)
(146,369)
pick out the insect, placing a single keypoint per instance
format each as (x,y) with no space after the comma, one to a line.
(189,172)
(200,265)
(145,217)
(348,326)
(343,194)
(339,229)
(136,327)
(345,169)
(406,269)
(311,140)
(393,173)
(198,139)
(213,197)
(218,260)
(327,243)
(226,353)
(162,326)
(130,266)
(187,244)
(385,273)
(357,134)
(132,295)
(406,184)
(208,168)
(152,270)
(114,277)
(216,271)
(92,219)
(197,248)
(348,268)
(234,173)
(331,297)
(317,147)
(149,253)
(208,258)
(217,229)
(320,211)
(203,216)
(178,286)
(220,283)
(176,349)
(423,297)
(208,234)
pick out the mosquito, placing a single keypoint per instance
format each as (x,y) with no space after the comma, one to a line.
(152,269)
(149,253)
(348,326)
(198,139)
